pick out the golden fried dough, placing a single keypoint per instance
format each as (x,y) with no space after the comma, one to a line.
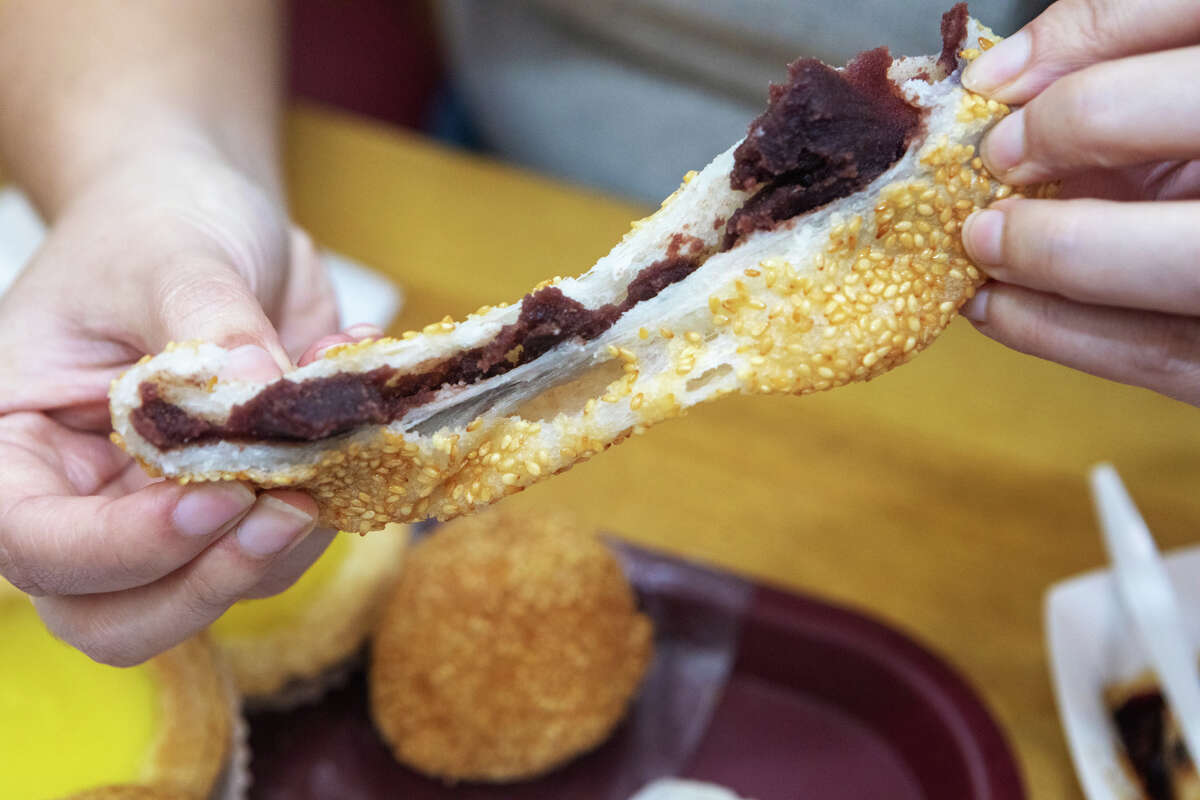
(511,644)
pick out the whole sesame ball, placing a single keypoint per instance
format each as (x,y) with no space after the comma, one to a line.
(512,643)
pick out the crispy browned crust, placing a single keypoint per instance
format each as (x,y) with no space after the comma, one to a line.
(511,644)
(198,711)
(328,631)
(194,743)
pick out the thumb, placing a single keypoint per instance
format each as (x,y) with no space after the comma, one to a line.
(1073,34)
(208,300)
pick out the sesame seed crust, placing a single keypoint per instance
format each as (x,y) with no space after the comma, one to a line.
(841,294)
(511,644)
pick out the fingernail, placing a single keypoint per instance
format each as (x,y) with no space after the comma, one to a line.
(249,363)
(272,526)
(976,308)
(1000,65)
(983,237)
(208,508)
(339,339)
(364,330)
(1004,146)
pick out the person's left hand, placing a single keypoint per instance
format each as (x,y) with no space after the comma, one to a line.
(175,244)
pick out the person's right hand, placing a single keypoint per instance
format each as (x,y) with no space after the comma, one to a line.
(1106,277)
(166,246)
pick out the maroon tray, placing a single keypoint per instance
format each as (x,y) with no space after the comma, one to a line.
(775,695)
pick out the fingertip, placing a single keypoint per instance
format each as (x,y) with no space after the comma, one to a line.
(976,309)
(364,330)
(291,566)
(1003,149)
(295,498)
(983,237)
(252,363)
(999,67)
(277,522)
(207,508)
(355,333)
(206,299)
(318,348)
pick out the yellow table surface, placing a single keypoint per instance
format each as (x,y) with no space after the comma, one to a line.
(944,497)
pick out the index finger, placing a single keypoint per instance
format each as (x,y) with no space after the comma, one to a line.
(1128,112)
(1073,34)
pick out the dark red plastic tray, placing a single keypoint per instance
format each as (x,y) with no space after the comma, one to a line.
(810,701)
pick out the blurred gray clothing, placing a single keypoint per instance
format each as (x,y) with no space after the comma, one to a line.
(627,95)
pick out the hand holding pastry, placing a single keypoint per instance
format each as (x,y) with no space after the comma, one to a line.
(1104,279)
(171,246)
(146,134)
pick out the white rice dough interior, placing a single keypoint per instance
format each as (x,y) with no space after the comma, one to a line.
(183,374)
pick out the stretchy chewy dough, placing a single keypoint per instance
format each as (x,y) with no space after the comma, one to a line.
(822,249)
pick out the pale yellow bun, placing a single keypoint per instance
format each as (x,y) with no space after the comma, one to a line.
(196,738)
(288,649)
(186,717)
(511,644)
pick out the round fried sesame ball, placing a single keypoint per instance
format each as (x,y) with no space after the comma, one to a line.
(511,644)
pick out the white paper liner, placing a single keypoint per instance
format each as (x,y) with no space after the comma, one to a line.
(234,781)
(306,691)
(676,789)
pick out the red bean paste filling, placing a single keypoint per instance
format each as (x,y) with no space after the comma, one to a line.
(954,30)
(1141,725)
(825,135)
(317,408)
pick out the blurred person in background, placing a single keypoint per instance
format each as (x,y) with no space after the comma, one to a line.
(628,95)
(147,133)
